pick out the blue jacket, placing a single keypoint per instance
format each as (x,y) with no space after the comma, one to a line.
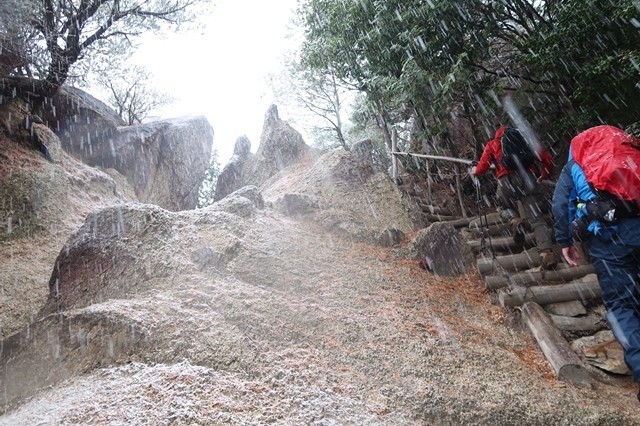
(571,192)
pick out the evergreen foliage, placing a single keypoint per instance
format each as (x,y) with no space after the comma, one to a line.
(567,64)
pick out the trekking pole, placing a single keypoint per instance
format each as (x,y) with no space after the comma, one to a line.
(484,222)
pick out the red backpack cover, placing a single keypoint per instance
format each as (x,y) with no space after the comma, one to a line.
(610,159)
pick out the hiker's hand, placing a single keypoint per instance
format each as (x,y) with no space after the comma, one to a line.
(571,255)
(473,170)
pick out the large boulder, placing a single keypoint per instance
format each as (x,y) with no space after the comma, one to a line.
(345,193)
(42,202)
(440,249)
(165,160)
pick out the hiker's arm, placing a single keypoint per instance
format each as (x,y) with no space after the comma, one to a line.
(547,164)
(485,160)
(560,207)
(562,215)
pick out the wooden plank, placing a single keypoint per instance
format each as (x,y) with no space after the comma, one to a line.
(517,296)
(556,349)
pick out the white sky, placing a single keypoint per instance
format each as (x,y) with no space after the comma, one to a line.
(221,71)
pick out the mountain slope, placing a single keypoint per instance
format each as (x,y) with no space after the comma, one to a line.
(251,316)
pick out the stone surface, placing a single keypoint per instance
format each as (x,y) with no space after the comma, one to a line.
(83,123)
(603,351)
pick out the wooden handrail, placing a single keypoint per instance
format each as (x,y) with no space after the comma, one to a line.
(436,157)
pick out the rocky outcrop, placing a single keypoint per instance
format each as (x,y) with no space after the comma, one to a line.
(280,146)
(165,160)
(41,203)
(230,178)
(345,193)
(83,123)
(275,305)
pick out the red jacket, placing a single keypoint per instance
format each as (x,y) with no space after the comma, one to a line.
(492,154)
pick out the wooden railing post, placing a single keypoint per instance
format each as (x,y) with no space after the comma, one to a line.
(394,160)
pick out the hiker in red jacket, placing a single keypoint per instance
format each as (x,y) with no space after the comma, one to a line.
(521,184)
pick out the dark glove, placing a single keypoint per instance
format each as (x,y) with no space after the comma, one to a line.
(601,209)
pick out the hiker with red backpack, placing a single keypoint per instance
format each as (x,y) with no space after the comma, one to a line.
(597,201)
(519,177)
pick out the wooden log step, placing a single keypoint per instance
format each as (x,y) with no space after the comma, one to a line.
(495,230)
(502,243)
(511,262)
(517,296)
(562,272)
(488,219)
(440,218)
(430,208)
(556,349)
(586,323)
(459,223)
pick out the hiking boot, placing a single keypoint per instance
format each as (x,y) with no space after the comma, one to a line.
(548,260)
(518,230)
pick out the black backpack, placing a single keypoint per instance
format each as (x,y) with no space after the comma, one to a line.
(516,154)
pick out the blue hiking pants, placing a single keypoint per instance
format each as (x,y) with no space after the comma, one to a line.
(617,264)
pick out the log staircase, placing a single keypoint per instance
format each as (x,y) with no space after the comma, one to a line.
(558,306)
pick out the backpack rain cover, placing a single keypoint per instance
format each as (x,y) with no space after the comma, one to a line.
(610,159)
